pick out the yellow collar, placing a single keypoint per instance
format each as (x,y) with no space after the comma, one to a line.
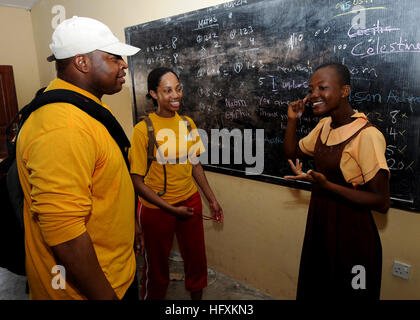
(61,84)
(332,137)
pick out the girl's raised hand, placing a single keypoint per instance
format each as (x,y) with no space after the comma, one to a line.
(296,108)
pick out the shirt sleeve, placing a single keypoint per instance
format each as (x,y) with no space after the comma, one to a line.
(137,155)
(364,157)
(61,164)
(307,144)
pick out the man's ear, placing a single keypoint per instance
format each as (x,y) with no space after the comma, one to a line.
(345,91)
(82,63)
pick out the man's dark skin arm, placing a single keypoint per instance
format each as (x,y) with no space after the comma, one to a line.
(82,268)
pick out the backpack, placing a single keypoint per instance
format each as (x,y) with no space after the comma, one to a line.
(12,245)
(152,143)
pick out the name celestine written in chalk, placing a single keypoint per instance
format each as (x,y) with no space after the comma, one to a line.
(211,309)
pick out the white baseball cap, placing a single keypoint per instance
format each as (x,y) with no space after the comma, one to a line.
(79,35)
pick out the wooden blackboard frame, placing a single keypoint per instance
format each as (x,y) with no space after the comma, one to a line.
(302,185)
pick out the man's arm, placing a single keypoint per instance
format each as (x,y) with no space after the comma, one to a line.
(82,268)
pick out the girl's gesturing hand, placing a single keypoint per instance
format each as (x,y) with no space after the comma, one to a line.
(311,176)
(296,108)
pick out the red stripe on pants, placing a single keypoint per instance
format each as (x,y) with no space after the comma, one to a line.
(159,228)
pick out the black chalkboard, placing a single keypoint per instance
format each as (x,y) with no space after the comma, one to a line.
(241,63)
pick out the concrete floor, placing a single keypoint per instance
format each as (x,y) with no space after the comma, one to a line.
(220,286)
(12,286)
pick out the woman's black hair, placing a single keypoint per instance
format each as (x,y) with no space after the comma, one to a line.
(153,80)
(341,70)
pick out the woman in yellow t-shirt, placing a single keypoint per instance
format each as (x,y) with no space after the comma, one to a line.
(172,206)
(342,253)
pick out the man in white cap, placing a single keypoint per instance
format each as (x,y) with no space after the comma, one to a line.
(79,207)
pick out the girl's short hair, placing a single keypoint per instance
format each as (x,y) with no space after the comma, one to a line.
(341,70)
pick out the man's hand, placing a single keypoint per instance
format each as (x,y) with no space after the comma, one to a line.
(82,268)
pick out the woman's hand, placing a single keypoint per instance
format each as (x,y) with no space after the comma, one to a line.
(318,178)
(296,108)
(310,176)
(297,170)
(183,212)
(216,211)
(139,240)
(200,178)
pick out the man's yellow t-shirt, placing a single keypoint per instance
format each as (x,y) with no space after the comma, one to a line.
(178,148)
(74,180)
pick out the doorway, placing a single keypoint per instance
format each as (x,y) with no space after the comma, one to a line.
(8,104)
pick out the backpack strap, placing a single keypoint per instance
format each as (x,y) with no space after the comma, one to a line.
(152,138)
(184,118)
(84,103)
(151,151)
(151,147)
(152,142)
